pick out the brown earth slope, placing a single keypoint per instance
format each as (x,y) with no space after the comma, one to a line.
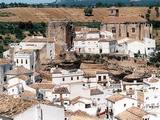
(74,14)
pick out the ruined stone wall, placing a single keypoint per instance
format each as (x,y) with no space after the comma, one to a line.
(61,31)
(140,31)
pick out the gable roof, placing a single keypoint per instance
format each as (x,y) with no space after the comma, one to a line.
(10,106)
(124,19)
(19,71)
(132,113)
(116,97)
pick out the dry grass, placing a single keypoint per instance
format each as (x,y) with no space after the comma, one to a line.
(74,14)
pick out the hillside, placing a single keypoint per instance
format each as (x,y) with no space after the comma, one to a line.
(74,14)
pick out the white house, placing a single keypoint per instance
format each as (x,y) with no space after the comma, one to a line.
(94,45)
(94,42)
(83,104)
(60,76)
(25,58)
(44,48)
(18,84)
(118,103)
(151,93)
(40,43)
(20,109)
(131,46)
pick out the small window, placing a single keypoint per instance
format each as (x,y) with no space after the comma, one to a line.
(17,60)
(99,78)
(26,62)
(132,104)
(63,79)
(124,105)
(71,78)
(113,30)
(87,105)
(104,77)
(133,30)
(21,61)
(77,78)
(98,99)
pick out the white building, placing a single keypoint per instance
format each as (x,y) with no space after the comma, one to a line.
(60,76)
(44,48)
(118,103)
(25,58)
(151,93)
(94,46)
(94,42)
(130,46)
(83,104)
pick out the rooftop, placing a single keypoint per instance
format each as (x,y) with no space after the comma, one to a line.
(12,106)
(116,97)
(42,86)
(96,92)
(19,71)
(132,113)
(61,90)
(124,19)
(4,61)
(37,39)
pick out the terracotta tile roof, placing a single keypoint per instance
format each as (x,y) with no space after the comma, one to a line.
(102,72)
(78,99)
(96,92)
(24,77)
(28,95)
(19,71)
(42,86)
(37,39)
(124,19)
(132,113)
(4,61)
(116,97)
(61,90)
(56,71)
(12,106)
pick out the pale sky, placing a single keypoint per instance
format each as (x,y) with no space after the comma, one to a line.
(28,1)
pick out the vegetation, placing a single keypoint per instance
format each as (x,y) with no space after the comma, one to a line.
(88,11)
(15,32)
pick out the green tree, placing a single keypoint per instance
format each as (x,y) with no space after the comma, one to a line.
(88,11)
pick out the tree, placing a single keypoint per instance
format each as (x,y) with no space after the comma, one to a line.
(88,11)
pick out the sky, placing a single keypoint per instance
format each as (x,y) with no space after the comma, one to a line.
(27,1)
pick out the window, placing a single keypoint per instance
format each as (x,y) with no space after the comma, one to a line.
(124,105)
(21,61)
(98,99)
(132,104)
(26,62)
(99,78)
(104,77)
(17,60)
(87,105)
(127,34)
(147,98)
(113,30)
(83,84)
(133,30)
(71,78)
(77,78)
(63,79)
